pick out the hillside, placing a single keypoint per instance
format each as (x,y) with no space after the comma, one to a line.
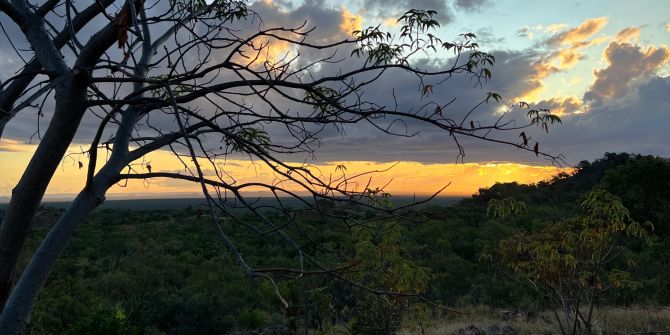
(165,272)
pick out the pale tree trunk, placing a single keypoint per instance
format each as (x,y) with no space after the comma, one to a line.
(22,299)
(70,98)
(18,306)
(28,193)
(20,302)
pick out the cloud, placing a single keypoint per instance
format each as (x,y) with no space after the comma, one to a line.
(8,145)
(529,32)
(554,28)
(395,8)
(563,105)
(470,5)
(350,22)
(568,58)
(630,34)
(542,68)
(635,122)
(565,51)
(525,32)
(390,22)
(486,36)
(626,63)
(610,125)
(579,34)
(364,142)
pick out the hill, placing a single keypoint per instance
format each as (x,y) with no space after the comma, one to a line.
(164,271)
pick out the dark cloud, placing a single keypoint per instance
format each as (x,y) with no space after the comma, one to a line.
(524,32)
(470,5)
(430,144)
(313,13)
(487,38)
(636,122)
(627,63)
(391,8)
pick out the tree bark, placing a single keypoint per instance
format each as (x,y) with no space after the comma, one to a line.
(28,193)
(20,303)
(70,108)
(22,299)
(13,91)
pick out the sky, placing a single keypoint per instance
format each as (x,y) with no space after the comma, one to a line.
(603,66)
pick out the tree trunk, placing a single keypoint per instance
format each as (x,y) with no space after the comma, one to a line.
(20,303)
(28,193)
(18,306)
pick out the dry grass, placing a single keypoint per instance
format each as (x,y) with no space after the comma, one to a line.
(607,321)
(633,320)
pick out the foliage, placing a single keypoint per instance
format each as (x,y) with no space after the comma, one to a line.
(167,272)
(385,268)
(568,261)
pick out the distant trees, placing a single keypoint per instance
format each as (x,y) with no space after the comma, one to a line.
(194,77)
(163,270)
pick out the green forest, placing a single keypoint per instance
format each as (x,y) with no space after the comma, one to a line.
(602,232)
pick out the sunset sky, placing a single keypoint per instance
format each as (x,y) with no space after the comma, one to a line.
(603,66)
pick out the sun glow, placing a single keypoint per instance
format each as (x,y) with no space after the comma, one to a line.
(400,178)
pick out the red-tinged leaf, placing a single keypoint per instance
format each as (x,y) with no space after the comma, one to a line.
(536,149)
(428,89)
(121,22)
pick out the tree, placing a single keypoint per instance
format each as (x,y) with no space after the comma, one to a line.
(568,262)
(384,266)
(196,77)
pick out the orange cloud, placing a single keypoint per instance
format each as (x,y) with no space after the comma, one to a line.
(568,58)
(628,34)
(391,22)
(350,22)
(563,106)
(569,44)
(265,49)
(554,28)
(584,31)
(543,69)
(7,145)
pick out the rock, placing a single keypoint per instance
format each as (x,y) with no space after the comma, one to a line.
(509,330)
(493,330)
(470,330)
(497,330)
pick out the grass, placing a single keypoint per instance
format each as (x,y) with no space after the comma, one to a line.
(608,321)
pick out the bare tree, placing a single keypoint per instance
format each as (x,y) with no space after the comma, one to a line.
(196,78)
